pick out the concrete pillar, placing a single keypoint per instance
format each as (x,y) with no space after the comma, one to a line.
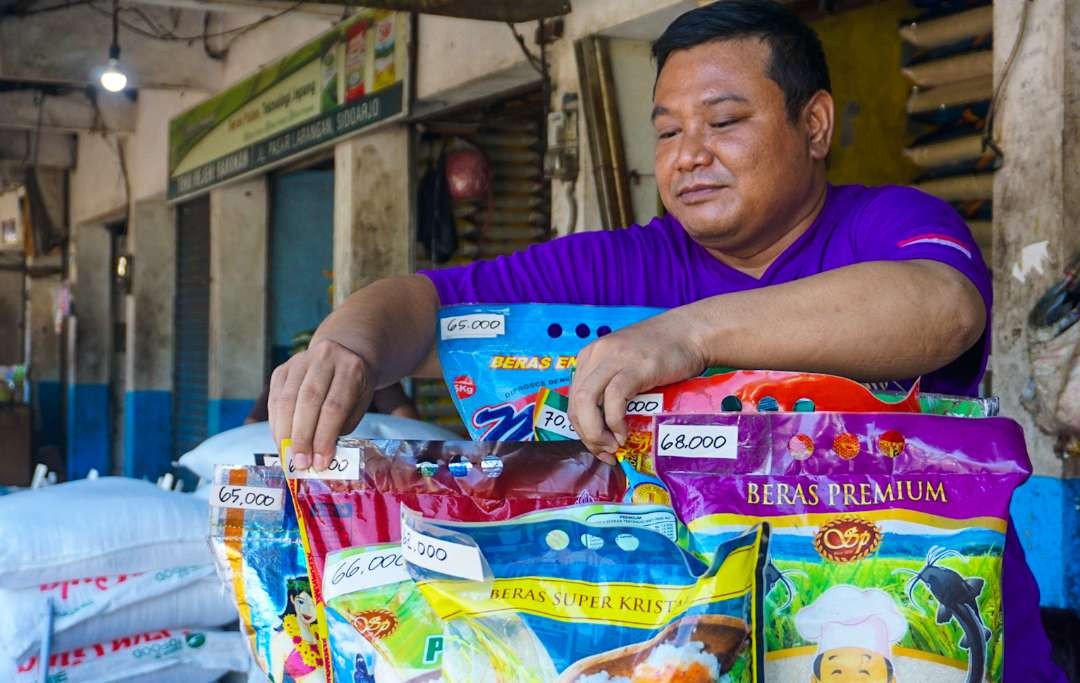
(12,314)
(238,235)
(373,209)
(89,345)
(148,375)
(44,371)
(1036,211)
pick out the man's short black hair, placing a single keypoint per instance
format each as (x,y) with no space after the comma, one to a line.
(797,63)
(817,667)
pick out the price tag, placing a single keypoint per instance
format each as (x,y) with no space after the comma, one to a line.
(556,421)
(247,497)
(441,556)
(645,404)
(344,465)
(698,441)
(474,326)
(364,571)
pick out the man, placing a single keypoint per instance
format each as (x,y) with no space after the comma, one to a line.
(763,263)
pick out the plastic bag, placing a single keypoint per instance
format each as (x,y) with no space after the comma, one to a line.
(588,594)
(380,627)
(256,542)
(887,532)
(358,501)
(496,358)
(733,391)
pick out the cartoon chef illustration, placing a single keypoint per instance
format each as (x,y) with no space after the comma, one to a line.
(855,630)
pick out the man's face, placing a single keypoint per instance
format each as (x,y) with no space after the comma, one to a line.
(852,665)
(730,165)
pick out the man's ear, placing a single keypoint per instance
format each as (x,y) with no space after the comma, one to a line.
(818,119)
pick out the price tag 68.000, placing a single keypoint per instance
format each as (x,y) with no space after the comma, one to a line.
(698,441)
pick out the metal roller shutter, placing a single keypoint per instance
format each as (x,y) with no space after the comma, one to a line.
(192,325)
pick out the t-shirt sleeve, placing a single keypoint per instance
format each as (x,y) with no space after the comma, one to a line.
(904,224)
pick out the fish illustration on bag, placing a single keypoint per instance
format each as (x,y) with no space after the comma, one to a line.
(957,599)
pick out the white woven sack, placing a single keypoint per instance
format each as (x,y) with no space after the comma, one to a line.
(155,656)
(98,527)
(93,610)
(235,446)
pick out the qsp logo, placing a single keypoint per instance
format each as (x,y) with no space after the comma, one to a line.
(847,539)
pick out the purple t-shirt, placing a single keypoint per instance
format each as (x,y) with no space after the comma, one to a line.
(658,264)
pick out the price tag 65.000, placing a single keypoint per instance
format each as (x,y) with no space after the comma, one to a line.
(247,497)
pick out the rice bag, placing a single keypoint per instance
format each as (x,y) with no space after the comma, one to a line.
(588,594)
(256,543)
(887,534)
(720,391)
(357,500)
(380,627)
(495,358)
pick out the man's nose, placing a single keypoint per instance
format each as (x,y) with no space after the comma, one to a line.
(692,151)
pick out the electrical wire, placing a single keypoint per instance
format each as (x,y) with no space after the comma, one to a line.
(534,61)
(50,8)
(166,35)
(991,113)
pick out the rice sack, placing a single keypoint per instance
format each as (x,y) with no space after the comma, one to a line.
(495,358)
(357,500)
(720,391)
(887,534)
(256,543)
(590,594)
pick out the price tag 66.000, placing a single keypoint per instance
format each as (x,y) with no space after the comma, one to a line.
(247,497)
(364,571)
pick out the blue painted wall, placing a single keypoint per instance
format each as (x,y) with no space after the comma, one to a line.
(148,433)
(1048,523)
(301,256)
(227,413)
(47,397)
(89,444)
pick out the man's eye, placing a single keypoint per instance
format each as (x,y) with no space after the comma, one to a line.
(723,124)
(666,133)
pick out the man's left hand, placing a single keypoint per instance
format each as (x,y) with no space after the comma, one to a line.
(615,368)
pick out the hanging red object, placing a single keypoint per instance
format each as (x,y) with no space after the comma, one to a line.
(468,174)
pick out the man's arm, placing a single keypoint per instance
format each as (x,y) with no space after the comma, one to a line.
(381,333)
(871,321)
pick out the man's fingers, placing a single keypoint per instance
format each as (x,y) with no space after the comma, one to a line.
(345,401)
(283,401)
(309,402)
(619,390)
(585,413)
(280,424)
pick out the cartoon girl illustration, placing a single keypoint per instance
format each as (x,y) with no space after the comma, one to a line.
(294,648)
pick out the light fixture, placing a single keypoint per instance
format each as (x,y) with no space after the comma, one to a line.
(112,78)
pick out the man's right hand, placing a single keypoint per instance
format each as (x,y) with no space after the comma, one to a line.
(315,397)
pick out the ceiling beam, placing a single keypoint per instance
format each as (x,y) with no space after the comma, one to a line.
(74,111)
(488,10)
(326,9)
(70,47)
(54,150)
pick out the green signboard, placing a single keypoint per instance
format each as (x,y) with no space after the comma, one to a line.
(348,79)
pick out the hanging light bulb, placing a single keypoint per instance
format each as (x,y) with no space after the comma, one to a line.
(112,78)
